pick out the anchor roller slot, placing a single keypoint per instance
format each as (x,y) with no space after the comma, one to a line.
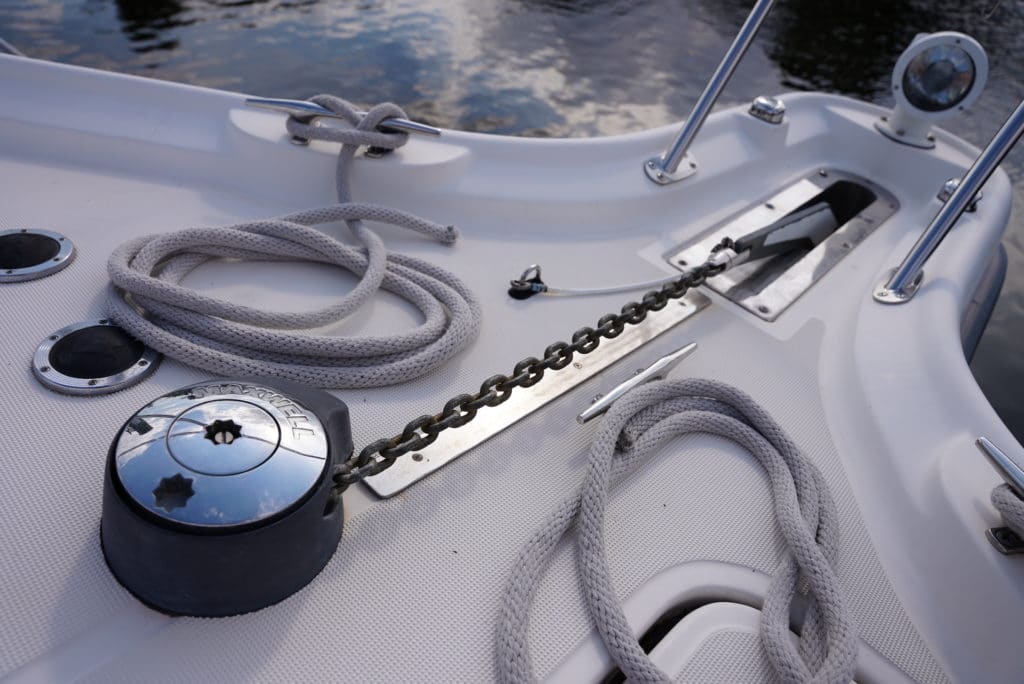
(805,229)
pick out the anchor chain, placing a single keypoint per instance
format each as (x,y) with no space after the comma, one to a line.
(420,432)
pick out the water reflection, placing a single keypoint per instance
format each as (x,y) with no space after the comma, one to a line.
(837,47)
(146,23)
(548,67)
(850,47)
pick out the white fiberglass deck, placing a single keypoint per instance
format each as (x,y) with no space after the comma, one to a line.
(879,397)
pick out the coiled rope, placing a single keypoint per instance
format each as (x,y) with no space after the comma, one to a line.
(221,337)
(636,426)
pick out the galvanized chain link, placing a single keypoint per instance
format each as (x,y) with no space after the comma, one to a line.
(459,410)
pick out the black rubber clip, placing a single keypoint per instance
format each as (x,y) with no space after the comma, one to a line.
(528,284)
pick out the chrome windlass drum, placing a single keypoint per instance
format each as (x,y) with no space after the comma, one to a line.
(218,497)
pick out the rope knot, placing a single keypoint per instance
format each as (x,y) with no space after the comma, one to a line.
(353,127)
(234,339)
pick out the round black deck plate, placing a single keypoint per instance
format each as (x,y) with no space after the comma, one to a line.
(93,357)
(29,254)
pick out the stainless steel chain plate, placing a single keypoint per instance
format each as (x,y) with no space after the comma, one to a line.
(451,444)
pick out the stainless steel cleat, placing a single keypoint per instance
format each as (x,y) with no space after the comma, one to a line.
(658,369)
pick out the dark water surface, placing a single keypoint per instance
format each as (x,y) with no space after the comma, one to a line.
(552,68)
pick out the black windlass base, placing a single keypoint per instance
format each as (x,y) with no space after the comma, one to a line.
(187,542)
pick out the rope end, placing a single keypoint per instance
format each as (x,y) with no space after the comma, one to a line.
(450,235)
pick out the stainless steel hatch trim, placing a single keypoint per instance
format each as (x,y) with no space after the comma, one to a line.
(771,301)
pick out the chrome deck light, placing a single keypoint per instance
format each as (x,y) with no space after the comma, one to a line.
(938,75)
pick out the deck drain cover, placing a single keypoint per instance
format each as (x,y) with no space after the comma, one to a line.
(218,497)
(27,254)
(94,357)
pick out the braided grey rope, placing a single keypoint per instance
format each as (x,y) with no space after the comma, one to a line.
(1010,507)
(148,300)
(637,425)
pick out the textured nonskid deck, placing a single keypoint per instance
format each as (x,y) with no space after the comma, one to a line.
(413,590)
